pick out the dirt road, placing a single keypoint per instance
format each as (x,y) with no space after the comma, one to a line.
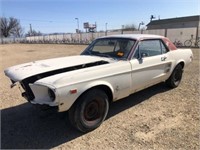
(155,118)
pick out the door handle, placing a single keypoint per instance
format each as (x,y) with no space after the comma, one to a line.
(163,58)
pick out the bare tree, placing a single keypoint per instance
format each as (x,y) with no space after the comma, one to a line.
(19,31)
(10,27)
(33,33)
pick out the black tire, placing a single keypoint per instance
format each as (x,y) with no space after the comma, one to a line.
(174,80)
(188,43)
(89,111)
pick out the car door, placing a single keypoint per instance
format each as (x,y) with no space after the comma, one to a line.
(150,64)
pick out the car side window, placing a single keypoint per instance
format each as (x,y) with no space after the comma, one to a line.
(164,49)
(149,48)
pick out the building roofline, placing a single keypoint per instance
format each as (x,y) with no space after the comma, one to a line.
(175,20)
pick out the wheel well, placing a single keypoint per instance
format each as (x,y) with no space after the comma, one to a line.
(182,64)
(104,88)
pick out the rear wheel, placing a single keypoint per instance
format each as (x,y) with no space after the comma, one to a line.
(89,111)
(174,80)
(188,43)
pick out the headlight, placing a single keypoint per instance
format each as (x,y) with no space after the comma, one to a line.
(51,94)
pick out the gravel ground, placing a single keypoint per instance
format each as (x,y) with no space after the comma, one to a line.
(155,118)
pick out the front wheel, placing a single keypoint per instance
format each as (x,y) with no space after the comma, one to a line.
(89,111)
(174,80)
(188,43)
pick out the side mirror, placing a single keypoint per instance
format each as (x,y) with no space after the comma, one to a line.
(144,55)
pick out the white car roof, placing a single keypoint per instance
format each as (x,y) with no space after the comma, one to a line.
(134,36)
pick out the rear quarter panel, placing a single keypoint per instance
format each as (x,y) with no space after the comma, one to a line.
(181,55)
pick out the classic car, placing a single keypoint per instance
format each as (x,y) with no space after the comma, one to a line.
(109,69)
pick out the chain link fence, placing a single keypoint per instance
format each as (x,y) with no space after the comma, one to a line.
(177,36)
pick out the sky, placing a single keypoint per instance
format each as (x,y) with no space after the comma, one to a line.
(50,16)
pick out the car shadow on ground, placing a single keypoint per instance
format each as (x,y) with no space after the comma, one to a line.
(25,127)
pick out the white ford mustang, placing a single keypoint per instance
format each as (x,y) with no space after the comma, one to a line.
(110,68)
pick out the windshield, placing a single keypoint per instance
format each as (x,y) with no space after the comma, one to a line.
(117,48)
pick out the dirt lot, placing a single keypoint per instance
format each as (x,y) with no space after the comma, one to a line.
(155,118)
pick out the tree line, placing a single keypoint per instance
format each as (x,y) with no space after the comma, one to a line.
(11,27)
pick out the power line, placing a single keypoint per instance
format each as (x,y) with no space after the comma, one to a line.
(49,21)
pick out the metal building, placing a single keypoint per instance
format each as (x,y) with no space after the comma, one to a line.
(181,29)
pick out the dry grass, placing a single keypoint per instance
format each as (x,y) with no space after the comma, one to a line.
(155,118)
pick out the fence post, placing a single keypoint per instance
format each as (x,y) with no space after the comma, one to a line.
(197,33)
(1,41)
(165,32)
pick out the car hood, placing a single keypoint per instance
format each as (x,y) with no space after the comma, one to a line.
(23,71)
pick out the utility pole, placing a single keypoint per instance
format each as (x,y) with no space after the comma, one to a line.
(78,29)
(106,27)
(122,32)
(96,26)
(31,30)
(141,23)
(77,23)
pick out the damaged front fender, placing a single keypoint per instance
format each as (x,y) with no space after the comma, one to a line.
(43,95)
